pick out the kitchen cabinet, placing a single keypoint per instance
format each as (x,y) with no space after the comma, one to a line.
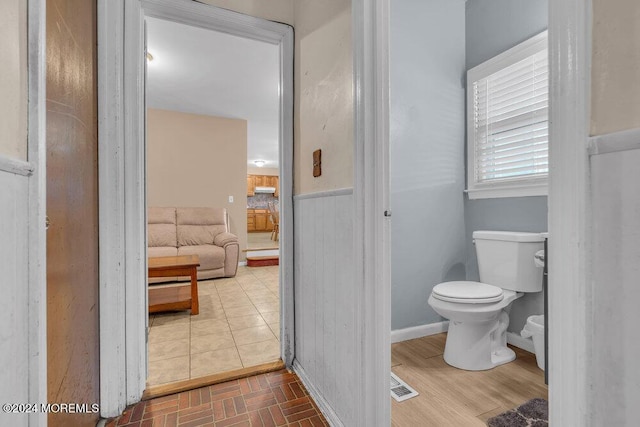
(254,181)
(251,185)
(258,220)
(251,220)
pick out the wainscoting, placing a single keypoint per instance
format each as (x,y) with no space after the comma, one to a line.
(325,305)
(14,313)
(616,267)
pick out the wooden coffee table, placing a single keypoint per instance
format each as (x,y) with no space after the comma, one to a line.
(178,297)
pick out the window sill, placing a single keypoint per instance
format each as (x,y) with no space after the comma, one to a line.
(496,192)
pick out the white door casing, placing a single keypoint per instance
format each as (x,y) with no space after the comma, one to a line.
(372,215)
(570,236)
(123,311)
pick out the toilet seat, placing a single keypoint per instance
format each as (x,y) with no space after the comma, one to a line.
(466,292)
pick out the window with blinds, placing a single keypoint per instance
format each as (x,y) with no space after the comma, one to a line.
(508,114)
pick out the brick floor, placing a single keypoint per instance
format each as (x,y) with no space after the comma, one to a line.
(272,399)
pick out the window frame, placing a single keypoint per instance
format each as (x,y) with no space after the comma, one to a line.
(509,187)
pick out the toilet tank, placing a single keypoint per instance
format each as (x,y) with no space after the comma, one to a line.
(506,259)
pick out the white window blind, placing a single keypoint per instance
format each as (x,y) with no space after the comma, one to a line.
(509,113)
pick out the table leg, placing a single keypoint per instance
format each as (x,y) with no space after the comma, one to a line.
(195,306)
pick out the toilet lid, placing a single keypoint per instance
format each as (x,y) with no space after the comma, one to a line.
(467,292)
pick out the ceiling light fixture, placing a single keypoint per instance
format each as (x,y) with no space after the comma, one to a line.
(259,163)
(149,57)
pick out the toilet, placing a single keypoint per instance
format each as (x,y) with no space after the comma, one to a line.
(478,312)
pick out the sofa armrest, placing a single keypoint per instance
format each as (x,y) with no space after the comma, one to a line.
(231,247)
(224,239)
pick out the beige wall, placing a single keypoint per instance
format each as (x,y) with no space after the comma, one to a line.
(615,74)
(323,94)
(13,79)
(196,160)
(273,10)
(323,116)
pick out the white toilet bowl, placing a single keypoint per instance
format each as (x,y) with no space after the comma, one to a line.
(478,312)
(478,319)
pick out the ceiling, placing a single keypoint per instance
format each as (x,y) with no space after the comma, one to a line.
(201,71)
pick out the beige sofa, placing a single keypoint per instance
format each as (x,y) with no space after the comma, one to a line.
(194,231)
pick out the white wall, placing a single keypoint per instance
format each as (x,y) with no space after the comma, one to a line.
(616,289)
(615,221)
(14,354)
(426,154)
(325,324)
(14,212)
(13,79)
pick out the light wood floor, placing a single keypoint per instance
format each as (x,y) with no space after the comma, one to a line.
(454,397)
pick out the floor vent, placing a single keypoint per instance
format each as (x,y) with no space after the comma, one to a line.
(400,391)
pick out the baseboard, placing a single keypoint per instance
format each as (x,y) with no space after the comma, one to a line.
(414,332)
(322,403)
(516,340)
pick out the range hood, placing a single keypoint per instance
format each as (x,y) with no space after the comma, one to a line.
(265,190)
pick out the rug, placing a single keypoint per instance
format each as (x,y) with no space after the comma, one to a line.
(534,413)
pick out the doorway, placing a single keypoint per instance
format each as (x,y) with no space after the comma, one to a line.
(126,199)
(212,110)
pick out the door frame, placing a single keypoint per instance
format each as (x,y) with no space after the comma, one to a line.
(36,170)
(370,19)
(123,311)
(570,297)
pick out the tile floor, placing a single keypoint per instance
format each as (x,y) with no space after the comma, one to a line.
(272,399)
(238,326)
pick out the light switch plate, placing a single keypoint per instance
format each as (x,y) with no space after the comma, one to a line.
(230,199)
(317,163)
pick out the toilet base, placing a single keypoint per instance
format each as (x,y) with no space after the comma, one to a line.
(478,346)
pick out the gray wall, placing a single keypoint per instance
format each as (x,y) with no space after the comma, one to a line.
(493,26)
(427,154)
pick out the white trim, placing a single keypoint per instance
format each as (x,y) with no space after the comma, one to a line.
(113,381)
(317,397)
(517,53)
(570,296)
(615,142)
(15,166)
(519,190)
(122,181)
(242,263)
(37,154)
(420,331)
(319,194)
(370,20)
(517,340)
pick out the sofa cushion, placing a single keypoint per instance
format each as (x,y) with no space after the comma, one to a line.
(162,251)
(161,230)
(211,257)
(199,226)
